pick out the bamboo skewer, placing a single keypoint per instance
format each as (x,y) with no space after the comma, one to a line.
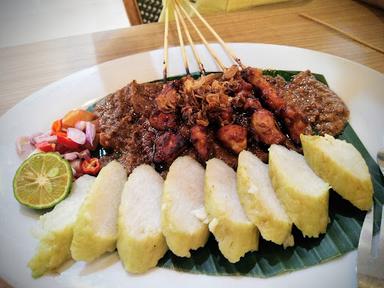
(212,52)
(342,32)
(181,40)
(165,60)
(226,48)
(192,45)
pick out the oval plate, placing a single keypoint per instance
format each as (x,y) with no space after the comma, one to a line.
(359,86)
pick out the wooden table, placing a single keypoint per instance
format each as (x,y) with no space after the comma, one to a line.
(27,68)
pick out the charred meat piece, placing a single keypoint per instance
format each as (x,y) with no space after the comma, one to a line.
(234,137)
(252,104)
(168,98)
(265,128)
(293,119)
(220,117)
(199,139)
(296,122)
(167,147)
(269,95)
(163,121)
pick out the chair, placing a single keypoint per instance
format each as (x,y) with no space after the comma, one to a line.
(143,11)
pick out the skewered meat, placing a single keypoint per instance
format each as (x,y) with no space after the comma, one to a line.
(167,147)
(163,121)
(265,127)
(252,104)
(199,139)
(293,119)
(233,137)
(217,115)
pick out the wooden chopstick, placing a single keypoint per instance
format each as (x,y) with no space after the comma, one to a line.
(181,41)
(186,31)
(342,32)
(205,42)
(214,33)
(166,24)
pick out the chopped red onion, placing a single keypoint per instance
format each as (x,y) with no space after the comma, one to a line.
(71,156)
(85,154)
(33,136)
(76,135)
(90,132)
(44,138)
(24,147)
(76,167)
(80,125)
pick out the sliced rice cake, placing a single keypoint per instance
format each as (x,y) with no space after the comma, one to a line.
(303,194)
(55,230)
(260,202)
(235,234)
(140,242)
(342,166)
(95,230)
(182,211)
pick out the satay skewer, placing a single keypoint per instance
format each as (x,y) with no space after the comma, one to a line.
(191,43)
(226,48)
(166,26)
(206,44)
(181,40)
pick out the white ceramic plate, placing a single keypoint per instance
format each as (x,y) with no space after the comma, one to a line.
(359,86)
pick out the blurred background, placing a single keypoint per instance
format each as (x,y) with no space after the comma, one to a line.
(28,21)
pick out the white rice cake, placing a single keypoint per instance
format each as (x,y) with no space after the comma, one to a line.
(55,230)
(260,202)
(95,230)
(235,234)
(342,166)
(182,207)
(140,242)
(303,194)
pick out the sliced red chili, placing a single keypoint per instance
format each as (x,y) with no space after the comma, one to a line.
(91,166)
(46,146)
(63,140)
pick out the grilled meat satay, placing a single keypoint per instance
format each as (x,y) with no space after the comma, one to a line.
(265,128)
(293,119)
(167,147)
(199,139)
(234,137)
(263,123)
(163,121)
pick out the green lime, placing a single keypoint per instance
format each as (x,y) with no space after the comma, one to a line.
(42,180)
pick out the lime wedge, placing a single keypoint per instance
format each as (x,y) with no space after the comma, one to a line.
(42,180)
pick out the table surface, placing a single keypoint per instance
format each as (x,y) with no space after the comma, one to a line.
(27,68)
